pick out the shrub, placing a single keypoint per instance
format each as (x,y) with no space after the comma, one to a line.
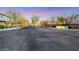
(2,25)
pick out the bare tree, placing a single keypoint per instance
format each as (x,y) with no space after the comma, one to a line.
(15,15)
(35,19)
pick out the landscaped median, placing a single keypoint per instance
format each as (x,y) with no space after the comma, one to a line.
(12,25)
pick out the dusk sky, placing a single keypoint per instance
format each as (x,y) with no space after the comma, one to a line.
(42,11)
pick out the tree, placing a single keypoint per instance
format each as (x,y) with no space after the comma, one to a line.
(24,22)
(34,19)
(60,20)
(51,21)
(43,23)
(15,16)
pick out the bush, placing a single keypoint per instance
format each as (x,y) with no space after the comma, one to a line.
(24,23)
(3,25)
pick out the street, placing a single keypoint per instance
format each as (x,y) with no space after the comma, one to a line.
(39,39)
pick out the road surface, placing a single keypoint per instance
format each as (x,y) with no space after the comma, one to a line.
(40,39)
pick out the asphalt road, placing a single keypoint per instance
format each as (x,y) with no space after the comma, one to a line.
(40,39)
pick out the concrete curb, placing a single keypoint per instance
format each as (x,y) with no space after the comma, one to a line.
(10,29)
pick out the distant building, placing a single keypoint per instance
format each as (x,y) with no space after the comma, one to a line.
(4,18)
(72,19)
